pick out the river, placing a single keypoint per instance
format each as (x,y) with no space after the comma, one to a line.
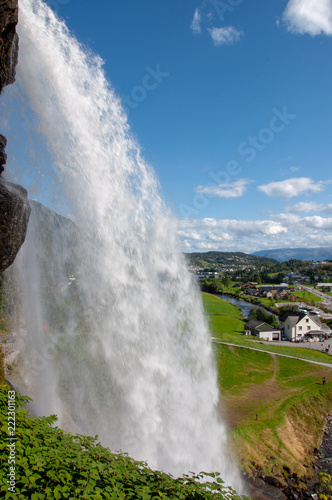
(242,304)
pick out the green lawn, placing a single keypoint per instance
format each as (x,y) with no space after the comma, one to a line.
(266,302)
(239,368)
(304,295)
(223,325)
(214,305)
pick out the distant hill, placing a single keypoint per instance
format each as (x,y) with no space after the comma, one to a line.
(284,254)
(226,259)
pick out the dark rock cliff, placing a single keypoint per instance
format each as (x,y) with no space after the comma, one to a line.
(14,217)
(3,156)
(14,206)
(8,41)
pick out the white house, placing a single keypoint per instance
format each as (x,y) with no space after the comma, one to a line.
(262,330)
(297,325)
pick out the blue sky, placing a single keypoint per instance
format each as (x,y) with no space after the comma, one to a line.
(231,104)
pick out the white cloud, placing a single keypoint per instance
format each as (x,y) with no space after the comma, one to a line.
(282,230)
(317,222)
(229,190)
(196,22)
(292,187)
(309,16)
(327,209)
(304,207)
(225,36)
(226,233)
(300,225)
(294,169)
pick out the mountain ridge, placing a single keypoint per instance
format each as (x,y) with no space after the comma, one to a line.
(284,254)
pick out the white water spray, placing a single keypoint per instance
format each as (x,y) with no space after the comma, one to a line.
(124,351)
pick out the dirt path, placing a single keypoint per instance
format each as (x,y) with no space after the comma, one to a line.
(246,407)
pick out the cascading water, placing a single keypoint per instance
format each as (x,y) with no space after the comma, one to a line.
(117,344)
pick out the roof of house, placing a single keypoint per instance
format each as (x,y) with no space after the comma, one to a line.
(250,291)
(252,324)
(255,324)
(313,332)
(273,287)
(265,327)
(295,318)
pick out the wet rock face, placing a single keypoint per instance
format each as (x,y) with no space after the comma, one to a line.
(3,156)
(14,206)
(14,218)
(8,41)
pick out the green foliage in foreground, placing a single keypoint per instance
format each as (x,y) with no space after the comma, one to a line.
(51,464)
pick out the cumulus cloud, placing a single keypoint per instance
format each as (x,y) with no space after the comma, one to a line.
(225,36)
(309,16)
(226,233)
(304,207)
(281,230)
(196,22)
(229,190)
(317,222)
(292,187)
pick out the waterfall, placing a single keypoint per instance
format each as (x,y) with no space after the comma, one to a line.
(117,343)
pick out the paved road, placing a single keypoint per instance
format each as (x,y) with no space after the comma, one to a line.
(327,299)
(317,346)
(329,365)
(323,315)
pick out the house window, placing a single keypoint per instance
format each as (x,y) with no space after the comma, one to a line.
(307,320)
(300,328)
(308,327)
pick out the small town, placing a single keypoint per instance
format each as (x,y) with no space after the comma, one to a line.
(296,295)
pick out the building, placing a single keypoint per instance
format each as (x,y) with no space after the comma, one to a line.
(264,289)
(262,330)
(296,326)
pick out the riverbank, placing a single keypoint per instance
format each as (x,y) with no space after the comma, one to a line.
(248,301)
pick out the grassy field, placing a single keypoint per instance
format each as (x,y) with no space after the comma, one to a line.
(213,305)
(273,406)
(305,295)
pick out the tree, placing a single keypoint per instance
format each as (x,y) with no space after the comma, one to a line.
(226,281)
(288,308)
(264,316)
(210,286)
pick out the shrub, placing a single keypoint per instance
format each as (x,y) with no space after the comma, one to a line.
(52,464)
